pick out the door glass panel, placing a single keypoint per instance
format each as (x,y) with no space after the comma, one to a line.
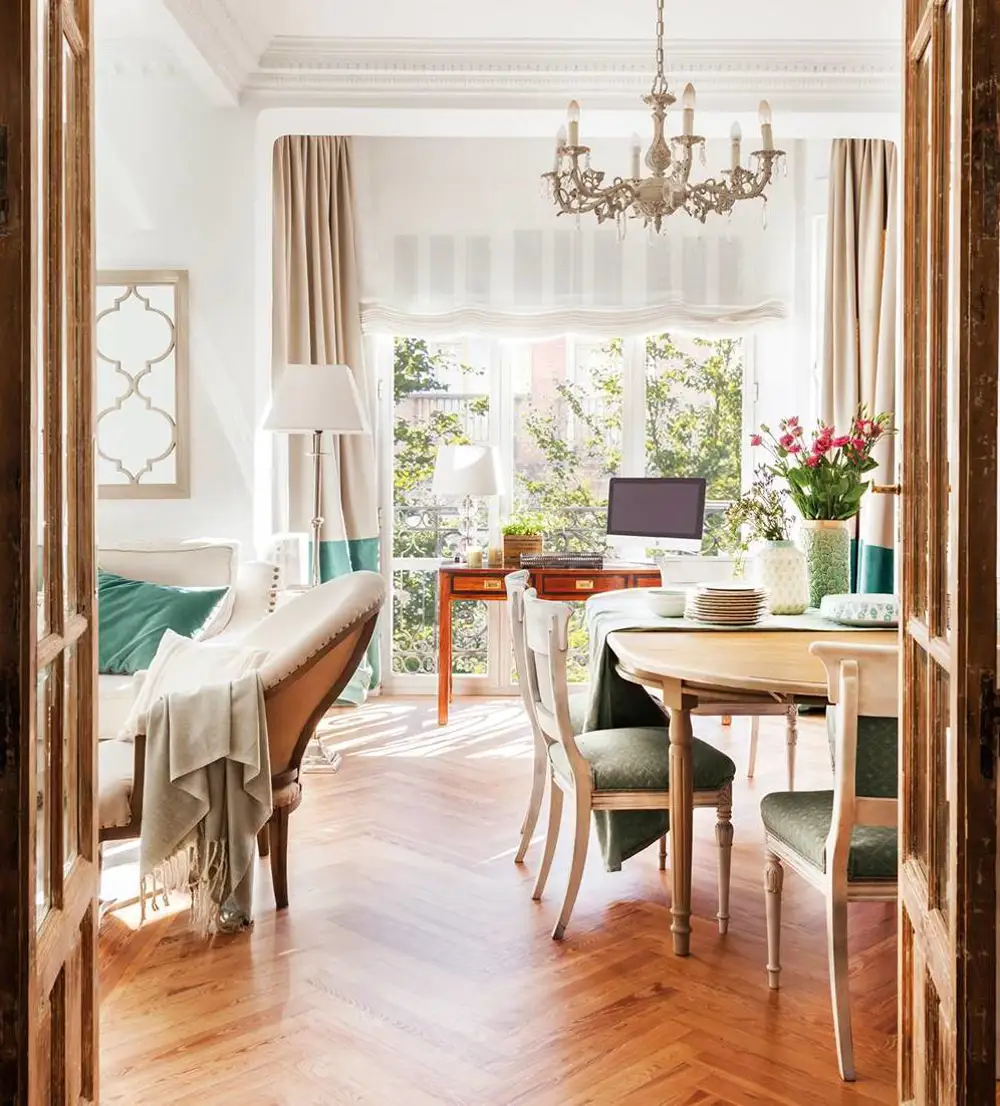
(71,755)
(67,276)
(940,736)
(43,759)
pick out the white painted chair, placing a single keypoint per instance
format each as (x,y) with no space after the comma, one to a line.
(516,584)
(843,841)
(617,769)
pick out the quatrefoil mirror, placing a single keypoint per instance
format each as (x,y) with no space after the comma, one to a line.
(142,384)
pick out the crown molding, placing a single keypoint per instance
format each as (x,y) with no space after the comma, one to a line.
(814,75)
(228,46)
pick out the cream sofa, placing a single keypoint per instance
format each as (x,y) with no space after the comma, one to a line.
(199,563)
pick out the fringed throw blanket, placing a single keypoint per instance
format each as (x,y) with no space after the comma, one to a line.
(207,795)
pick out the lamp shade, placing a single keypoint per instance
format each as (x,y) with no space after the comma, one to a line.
(466,470)
(307,398)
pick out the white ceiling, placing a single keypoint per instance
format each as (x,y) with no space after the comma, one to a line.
(577,19)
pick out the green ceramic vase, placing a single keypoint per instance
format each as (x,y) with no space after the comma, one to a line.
(827,546)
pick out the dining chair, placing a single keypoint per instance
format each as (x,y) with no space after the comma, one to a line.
(842,841)
(516,584)
(616,769)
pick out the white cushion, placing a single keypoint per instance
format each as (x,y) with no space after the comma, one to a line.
(115,696)
(194,564)
(115,763)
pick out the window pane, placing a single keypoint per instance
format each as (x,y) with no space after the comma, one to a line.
(694,415)
(567,437)
(441,396)
(415,628)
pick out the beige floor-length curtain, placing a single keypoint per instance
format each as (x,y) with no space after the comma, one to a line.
(316,320)
(860,333)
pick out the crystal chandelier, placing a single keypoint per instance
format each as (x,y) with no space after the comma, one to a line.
(577,189)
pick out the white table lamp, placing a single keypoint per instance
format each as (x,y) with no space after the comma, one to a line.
(308,399)
(467,472)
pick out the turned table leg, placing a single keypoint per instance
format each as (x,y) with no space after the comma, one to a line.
(681,824)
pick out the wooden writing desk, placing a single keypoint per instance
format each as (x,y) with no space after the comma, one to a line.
(457,581)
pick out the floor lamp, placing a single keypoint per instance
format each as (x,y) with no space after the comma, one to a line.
(309,399)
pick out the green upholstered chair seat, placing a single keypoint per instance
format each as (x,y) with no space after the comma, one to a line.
(877,765)
(637,759)
(579,701)
(801,820)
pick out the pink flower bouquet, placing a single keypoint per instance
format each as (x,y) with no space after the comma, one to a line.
(825,474)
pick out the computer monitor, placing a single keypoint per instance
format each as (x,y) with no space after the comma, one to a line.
(668,512)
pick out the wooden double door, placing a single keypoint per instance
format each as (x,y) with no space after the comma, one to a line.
(48,843)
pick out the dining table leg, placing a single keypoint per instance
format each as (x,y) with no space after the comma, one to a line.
(681,827)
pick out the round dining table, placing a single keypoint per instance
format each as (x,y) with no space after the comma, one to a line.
(698,670)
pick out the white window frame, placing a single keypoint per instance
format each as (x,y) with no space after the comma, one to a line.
(500,373)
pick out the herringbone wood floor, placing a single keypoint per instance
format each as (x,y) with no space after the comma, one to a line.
(413,968)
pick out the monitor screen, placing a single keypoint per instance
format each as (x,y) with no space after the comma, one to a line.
(656,507)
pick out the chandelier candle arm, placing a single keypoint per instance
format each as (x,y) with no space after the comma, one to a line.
(687,103)
(573,118)
(764,114)
(578,189)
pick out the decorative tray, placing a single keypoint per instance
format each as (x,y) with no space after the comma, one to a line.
(861,609)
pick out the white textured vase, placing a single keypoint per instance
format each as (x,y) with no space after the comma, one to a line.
(780,568)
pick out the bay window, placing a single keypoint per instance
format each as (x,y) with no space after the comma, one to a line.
(565,414)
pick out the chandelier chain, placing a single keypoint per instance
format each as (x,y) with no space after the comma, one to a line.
(660,80)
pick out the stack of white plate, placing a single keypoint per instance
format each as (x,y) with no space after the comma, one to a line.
(727,604)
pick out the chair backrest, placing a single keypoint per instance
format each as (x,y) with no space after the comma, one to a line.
(316,642)
(516,584)
(546,647)
(862,683)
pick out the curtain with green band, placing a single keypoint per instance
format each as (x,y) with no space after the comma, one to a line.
(860,331)
(316,320)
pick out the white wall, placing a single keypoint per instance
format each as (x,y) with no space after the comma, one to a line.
(175,190)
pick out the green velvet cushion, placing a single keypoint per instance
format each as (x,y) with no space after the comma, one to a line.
(578,703)
(133,615)
(876,771)
(637,759)
(801,820)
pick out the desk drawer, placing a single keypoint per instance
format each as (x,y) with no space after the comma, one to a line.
(580,586)
(478,587)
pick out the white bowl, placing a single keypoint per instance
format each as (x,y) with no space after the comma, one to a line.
(666,602)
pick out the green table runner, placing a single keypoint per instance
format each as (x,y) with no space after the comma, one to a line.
(616,702)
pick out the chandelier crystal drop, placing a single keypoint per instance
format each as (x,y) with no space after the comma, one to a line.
(577,189)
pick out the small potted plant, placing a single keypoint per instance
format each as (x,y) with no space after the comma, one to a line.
(778,565)
(522,533)
(825,474)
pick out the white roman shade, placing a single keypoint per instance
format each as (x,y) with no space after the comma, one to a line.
(457,236)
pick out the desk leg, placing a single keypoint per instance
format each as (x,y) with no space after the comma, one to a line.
(444,650)
(681,827)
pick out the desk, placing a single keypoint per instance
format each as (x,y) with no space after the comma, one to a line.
(695,670)
(457,581)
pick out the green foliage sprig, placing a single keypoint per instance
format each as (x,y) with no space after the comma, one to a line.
(525,524)
(758,515)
